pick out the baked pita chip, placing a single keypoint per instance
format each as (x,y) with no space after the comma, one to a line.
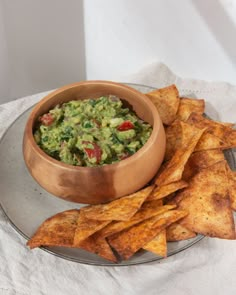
(99,246)
(221,130)
(160,170)
(178,136)
(129,241)
(120,209)
(58,230)
(212,125)
(177,232)
(209,141)
(233,191)
(208,203)
(188,106)
(152,204)
(143,214)
(166,101)
(158,245)
(201,160)
(174,138)
(232,187)
(231,125)
(231,137)
(87,227)
(167,200)
(175,167)
(165,190)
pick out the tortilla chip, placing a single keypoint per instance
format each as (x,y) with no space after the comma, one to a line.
(232,187)
(213,126)
(58,230)
(177,232)
(144,213)
(174,138)
(160,170)
(165,190)
(188,106)
(231,125)
(152,204)
(231,137)
(99,246)
(178,136)
(120,209)
(175,167)
(129,241)
(233,192)
(167,200)
(208,203)
(209,141)
(87,227)
(221,130)
(158,245)
(166,101)
(201,160)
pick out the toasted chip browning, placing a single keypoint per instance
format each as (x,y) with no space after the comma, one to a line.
(158,245)
(131,240)
(174,138)
(57,230)
(99,246)
(209,141)
(166,101)
(214,127)
(222,131)
(233,192)
(165,190)
(120,209)
(200,160)
(177,232)
(208,203)
(144,213)
(231,137)
(152,204)
(87,227)
(175,167)
(188,106)
(178,136)
(232,187)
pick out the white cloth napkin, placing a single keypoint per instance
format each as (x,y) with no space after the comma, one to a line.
(209,267)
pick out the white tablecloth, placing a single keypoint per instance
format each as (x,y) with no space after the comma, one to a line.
(209,267)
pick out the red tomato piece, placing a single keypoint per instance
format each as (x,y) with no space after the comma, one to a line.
(126,125)
(47,119)
(96,152)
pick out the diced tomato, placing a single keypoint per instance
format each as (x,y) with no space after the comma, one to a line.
(47,119)
(96,152)
(126,125)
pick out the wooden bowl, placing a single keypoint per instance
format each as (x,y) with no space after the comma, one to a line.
(94,185)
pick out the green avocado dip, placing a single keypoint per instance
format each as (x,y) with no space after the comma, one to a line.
(91,132)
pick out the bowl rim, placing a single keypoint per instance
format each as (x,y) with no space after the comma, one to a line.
(84,169)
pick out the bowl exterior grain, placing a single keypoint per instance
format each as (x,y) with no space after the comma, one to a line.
(94,185)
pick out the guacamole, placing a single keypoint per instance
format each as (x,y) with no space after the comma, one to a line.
(91,132)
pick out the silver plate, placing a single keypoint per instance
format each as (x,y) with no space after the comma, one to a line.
(27,205)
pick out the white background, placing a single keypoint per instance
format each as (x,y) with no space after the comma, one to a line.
(48,43)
